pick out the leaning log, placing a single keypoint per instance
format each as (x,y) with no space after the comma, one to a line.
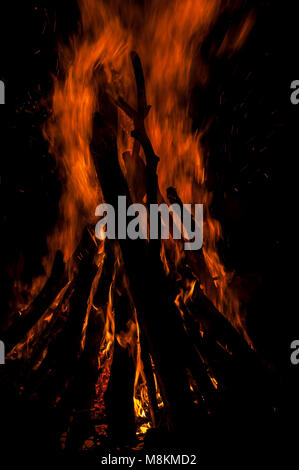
(28,317)
(158,317)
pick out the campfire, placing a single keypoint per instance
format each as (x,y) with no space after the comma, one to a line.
(121,338)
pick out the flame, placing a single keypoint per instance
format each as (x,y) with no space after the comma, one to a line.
(128,339)
(90,304)
(141,400)
(109,328)
(214,382)
(167,36)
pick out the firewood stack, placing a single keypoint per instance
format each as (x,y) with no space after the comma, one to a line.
(117,349)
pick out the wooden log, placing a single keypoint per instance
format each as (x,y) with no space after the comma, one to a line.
(29,353)
(212,321)
(119,396)
(240,372)
(147,279)
(81,426)
(195,259)
(33,347)
(24,322)
(150,382)
(54,384)
(65,350)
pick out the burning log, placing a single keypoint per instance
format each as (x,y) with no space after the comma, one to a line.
(207,317)
(27,318)
(238,369)
(121,330)
(139,132)
(149,289)
(119,397)
(209,330)
(195,259)
(66,349)
(34,345)
(81,426)
(49,366)
(150,382)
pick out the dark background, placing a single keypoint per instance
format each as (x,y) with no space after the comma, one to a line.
(252,163)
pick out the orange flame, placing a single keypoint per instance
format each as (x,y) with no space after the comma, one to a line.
(167,36)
